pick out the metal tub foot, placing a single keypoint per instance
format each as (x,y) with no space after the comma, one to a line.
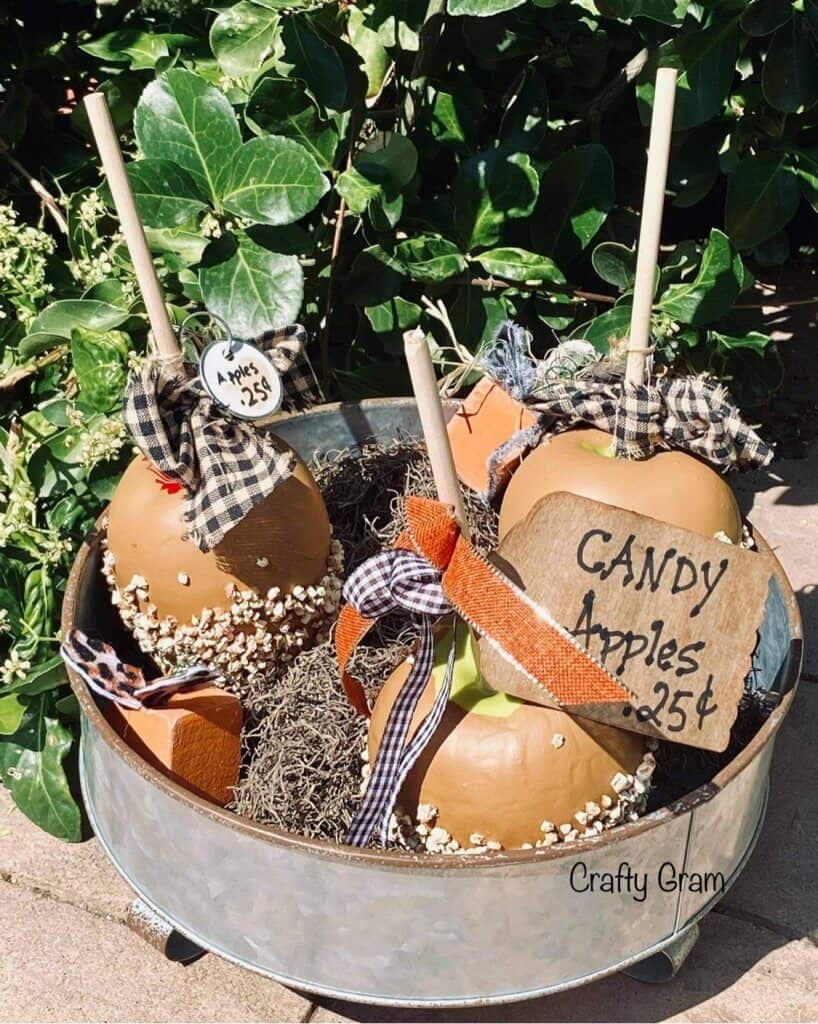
(161,934)
(664,966)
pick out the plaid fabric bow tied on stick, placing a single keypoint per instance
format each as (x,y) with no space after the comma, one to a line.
(433,570)
(226,466)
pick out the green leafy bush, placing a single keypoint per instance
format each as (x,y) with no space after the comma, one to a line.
(365,168)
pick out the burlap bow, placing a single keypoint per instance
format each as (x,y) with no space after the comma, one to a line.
(226,466)
(434,570)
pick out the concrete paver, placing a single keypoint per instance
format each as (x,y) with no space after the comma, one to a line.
(780,883)
(76,873)
(60,963)
(782,503)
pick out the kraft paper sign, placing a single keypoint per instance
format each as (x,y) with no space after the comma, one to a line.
(670,614)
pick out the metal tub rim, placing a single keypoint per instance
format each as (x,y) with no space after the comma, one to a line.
(400,860)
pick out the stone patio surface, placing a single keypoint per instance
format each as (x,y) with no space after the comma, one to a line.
(66,953)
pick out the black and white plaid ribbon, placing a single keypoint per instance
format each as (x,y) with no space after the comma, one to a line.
(384,583)
(226,466)
(691,413)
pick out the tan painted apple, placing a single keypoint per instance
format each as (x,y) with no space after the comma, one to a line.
(499,766)
(282,542)
(670,486)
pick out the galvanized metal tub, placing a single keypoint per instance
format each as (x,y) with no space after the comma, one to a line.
(393,928)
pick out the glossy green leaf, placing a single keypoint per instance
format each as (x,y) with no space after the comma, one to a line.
(808,175)
(166,195)
(491,189)
(367,44)
(430,258)
(520,265)
(606,331)
(243,36)
(476,316)
(708,62)
(378,175)
(790,77)
(62,317)
(394,315)
(615,264)
(668,12)
(35,344)
(482,8)
(576,195)
(525,122)
(182,118)
(101,365)
(754,340)
(713,290)
(374,277)
(762,17)
(137,48)
(46,676)
(455,111)
(31,766)
(762,197)
(250,288)
(330,69)
(273,180)
(12,709)
(279,106)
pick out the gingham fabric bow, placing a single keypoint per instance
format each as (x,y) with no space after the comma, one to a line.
(101,668)
(226,466)
(386,582)
(691,413)
(434,570)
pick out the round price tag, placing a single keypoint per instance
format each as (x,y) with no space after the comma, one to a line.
(241,378)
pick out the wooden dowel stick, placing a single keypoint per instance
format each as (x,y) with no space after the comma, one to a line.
(111,156)
(430,410)
(647,254)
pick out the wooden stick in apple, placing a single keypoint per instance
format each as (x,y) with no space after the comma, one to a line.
(433,422)
(647,253)
(670,486)
(110,153)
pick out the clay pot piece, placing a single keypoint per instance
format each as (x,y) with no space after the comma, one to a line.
(193,737)
(486,418)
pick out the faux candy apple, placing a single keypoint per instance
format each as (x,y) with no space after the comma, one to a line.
(501,770)
(670,486)
(255,599)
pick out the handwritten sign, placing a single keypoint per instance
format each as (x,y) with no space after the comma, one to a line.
(670,614)
(241,378)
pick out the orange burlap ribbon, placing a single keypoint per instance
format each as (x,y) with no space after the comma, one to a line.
(496,608)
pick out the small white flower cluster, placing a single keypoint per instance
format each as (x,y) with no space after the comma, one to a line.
(14,668)
(103,441)
(420,833)
(24,253)
(247,640)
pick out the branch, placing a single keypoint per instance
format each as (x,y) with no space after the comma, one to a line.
(48,201)
(614,89)
(354,130)
(20,373)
